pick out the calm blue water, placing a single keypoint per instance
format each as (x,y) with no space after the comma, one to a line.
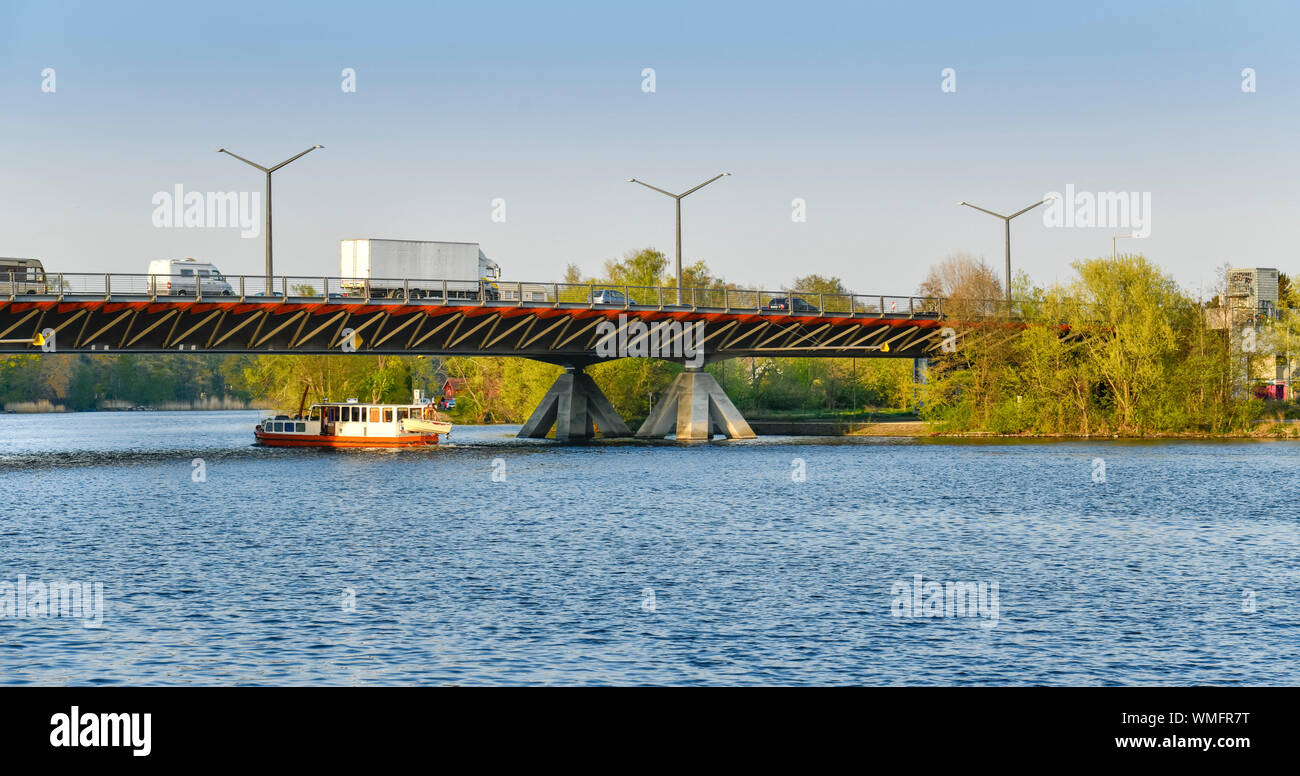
(643,563)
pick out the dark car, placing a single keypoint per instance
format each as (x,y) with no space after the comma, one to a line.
(799,305)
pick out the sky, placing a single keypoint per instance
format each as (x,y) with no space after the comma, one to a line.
(544,106)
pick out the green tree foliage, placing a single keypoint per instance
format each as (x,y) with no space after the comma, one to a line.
(1118,350)
(630,382)
(819,285)
(282,380)
(637,268)
(86,381)
(697,275)
(759,386)
(498,390)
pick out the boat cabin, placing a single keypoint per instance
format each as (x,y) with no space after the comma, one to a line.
(351,421)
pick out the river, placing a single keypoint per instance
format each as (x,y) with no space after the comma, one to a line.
(494,560)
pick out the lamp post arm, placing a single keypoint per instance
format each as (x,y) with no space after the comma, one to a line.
(292,158)
(1026,210)
(702,185)
(656,188)
(982,210)
(242,159)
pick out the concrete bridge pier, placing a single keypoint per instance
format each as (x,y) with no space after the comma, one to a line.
(576,407)
(695,406)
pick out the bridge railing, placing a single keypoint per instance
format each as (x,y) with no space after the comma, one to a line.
(604,295)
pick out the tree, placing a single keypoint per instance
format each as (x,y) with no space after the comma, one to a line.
(1288,296)
(637,268)
(1120,349)
(969,287)
(817,284)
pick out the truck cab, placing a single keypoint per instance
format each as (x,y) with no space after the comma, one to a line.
(186,277)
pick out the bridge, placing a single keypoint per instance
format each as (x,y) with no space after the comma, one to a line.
(573,325)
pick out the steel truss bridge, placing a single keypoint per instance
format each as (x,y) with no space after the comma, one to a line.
(553,322)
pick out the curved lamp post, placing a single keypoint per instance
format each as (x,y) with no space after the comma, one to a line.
(679,198)
(268,171)
(1007,220)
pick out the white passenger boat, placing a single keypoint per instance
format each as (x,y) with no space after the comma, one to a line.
(352,424)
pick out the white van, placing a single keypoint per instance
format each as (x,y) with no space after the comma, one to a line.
(177,277)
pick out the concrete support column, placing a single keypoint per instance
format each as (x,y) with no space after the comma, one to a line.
(576,407)
(695,407)
(920,375)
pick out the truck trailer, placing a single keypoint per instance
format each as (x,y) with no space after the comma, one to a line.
(422,268)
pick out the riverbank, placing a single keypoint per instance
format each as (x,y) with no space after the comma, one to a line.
(900,426)
(911,426)
(211,404)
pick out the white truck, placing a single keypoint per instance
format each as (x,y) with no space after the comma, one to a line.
(181,277)
(419,267)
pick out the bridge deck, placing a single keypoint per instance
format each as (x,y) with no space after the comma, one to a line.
(739,323)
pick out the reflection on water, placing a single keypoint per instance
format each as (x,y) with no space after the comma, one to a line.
(542,577)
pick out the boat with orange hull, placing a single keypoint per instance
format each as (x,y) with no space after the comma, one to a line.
(351,424)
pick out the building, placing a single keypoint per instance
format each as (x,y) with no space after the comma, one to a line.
(1253,288)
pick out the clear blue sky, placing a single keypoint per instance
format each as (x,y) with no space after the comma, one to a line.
(541,105)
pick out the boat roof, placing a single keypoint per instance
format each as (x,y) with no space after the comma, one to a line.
(364,404)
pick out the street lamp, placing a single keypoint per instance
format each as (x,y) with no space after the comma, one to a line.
(1007,221)
(1113,254)
(268,171)
(679,198)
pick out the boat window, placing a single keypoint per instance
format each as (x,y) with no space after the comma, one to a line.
(356,414)
(277,427)
(374,414)
(403,413)
(301,427)
(388,414)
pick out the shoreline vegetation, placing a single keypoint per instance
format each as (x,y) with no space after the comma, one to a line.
(1117,351)
(206,404)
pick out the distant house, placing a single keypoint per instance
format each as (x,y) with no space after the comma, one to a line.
(453,386)
(1254,288)
(1252,296)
